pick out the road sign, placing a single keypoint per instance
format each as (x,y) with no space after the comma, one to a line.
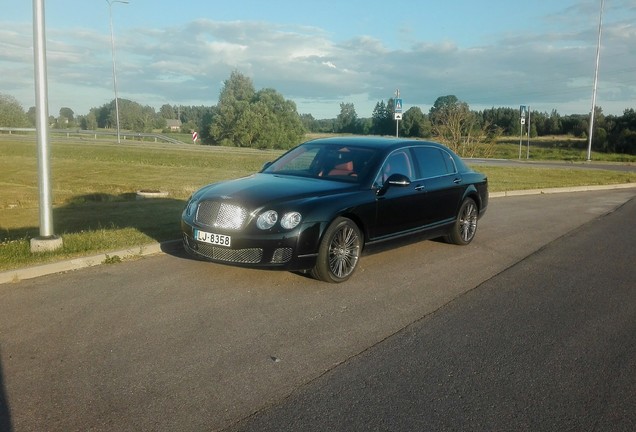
(398,105)
(398,116)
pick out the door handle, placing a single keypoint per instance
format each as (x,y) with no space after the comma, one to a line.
(420,188)
(457,180)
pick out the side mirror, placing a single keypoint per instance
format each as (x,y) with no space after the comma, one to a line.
(396,179)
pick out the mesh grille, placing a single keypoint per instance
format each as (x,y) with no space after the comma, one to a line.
(221,215)
(281,255)
(207,211)
(246,256)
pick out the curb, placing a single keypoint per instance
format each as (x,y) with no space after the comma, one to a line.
(17,275)
(561,190)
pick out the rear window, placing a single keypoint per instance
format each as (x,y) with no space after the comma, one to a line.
(433,162)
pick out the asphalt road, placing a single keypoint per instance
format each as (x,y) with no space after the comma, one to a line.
(530,327)
(547,345)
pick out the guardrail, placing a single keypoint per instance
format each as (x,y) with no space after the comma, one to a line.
(79,132)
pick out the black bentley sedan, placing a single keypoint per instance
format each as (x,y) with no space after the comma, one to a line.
(316,207)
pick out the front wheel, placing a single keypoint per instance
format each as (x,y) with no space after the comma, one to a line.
(339,251)
(463,230)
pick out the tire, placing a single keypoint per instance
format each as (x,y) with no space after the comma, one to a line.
(465,227)
(339,251)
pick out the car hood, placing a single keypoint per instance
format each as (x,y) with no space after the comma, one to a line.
(259,189)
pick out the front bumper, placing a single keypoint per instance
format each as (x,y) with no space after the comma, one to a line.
(293,250)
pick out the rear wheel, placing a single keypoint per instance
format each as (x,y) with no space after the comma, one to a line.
(465,227)
(339,251)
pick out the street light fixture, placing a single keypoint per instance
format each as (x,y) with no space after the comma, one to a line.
(112,44)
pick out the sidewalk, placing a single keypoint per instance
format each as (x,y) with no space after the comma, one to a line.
(17,275)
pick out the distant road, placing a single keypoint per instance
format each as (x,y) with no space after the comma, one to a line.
(624,167)
(79,133)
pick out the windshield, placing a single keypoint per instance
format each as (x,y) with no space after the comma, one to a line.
(327,161)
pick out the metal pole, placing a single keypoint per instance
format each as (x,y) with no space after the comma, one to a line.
(522,116)
(397,122)
(42,119)
(598,57)
(528,149)
(112,44)
(47,240)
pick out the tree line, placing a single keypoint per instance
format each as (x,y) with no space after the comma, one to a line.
(246,117)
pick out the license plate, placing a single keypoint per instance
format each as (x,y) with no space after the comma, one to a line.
(215,239)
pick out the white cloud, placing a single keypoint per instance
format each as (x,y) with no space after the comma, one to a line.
(185,64)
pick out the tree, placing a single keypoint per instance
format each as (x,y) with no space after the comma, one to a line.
(199,119)
(365,125)
(132,117)
(285,126)
(453,124)
(32,115)
(234,100)
(347,120)
(66,118)
(599,140)
(441,106)
(624,137)
(459,128)
(309,122)
(555,123)
(415,124)
(89,121)
(167,112)
(11,112)
(507,119)
(245,118)
(382,118)
(626,142)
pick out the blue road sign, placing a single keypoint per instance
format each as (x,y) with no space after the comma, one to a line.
(398,105)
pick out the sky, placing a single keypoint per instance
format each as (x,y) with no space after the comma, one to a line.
(320,54)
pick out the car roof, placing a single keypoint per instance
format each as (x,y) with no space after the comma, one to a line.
(378,142)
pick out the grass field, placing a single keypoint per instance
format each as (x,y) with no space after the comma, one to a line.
(95,184)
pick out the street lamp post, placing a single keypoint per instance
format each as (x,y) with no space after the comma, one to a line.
(112,44)
(47,241)
(598,56)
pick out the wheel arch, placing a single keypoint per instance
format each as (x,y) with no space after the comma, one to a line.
(473,193)
(358,221)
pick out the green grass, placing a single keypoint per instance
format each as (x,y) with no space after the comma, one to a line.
(554,148)
(501,179)
(94,185)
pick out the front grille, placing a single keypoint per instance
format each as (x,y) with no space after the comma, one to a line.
(240,256)
(221,215)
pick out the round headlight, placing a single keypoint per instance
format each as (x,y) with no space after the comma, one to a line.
(267,219)
(290,220)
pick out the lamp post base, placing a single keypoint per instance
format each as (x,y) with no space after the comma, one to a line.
(46,244)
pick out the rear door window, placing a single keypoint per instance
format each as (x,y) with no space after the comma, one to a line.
(433,162)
